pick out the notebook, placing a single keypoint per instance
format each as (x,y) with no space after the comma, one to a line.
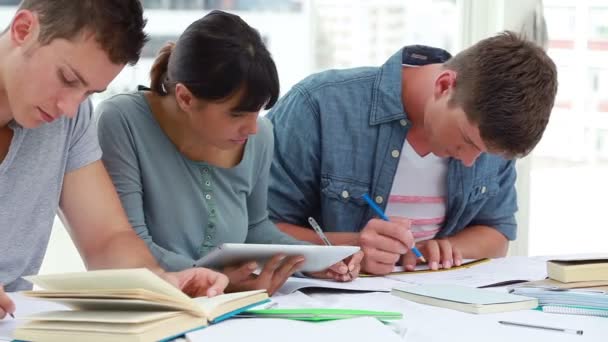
(399,270)
(575,310)
(574,270)
(465,299)
(573,297)
(124,305)
(318,315)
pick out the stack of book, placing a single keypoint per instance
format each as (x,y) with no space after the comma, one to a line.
(577,286)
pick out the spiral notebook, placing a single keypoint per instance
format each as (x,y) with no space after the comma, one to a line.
(575,310)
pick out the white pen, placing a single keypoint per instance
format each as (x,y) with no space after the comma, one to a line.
(319,231)
(525,325)
(317,228)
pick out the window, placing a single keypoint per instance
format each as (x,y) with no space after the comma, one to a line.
(569,167)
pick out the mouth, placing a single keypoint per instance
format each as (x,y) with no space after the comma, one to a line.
(239,141)
(46,116)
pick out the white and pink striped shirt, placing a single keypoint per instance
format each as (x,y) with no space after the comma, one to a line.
(419,192)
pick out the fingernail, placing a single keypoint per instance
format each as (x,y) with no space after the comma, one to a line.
(434,265)
(351,267)
(447,264)
(252,266)
(343,269)
(458,262)
(211,292)
(409,267)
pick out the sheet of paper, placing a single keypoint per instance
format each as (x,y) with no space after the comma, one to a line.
(362,329)
(493,272)
(25,307)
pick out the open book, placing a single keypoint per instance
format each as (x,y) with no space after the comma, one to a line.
(124,305)
(465,299)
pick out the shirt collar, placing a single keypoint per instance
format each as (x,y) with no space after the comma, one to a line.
(386,94)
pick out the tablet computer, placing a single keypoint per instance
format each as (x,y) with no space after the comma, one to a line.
(316,257)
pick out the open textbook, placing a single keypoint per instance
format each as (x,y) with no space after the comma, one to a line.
(124,305)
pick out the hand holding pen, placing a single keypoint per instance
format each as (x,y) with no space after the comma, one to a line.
(384,241)
(354,263)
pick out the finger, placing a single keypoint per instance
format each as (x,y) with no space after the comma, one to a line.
(288,267)
(339,268)
(457,256)
(376,268)
(271,265)
(240,273)
(382,256)
(445,250)
(433,255)
(409,261)
(6,304)
(355,261)
(218,283)
(399,230)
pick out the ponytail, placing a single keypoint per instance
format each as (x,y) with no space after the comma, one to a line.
(158,73)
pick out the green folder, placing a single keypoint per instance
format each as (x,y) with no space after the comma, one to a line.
(319,315)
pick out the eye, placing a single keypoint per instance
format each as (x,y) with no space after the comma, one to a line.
(66,80)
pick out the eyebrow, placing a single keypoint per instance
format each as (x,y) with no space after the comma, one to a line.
(83,81)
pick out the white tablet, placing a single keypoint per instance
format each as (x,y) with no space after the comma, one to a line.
(316,258)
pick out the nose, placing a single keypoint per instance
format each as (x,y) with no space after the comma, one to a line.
(68,102)
(251,125)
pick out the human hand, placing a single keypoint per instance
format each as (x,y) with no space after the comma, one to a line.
(439,253)
(384,242)
(274,274)
(197,282)
(6,304)
(345,270)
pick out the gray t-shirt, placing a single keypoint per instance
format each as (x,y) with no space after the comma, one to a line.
(31,179)
(183,208)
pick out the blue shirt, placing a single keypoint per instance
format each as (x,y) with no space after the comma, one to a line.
(334,134)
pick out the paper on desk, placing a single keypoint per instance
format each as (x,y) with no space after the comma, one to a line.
(375,284)
(362,329)
(25,307)
(493,272)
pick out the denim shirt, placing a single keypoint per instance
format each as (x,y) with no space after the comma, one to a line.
(336,134)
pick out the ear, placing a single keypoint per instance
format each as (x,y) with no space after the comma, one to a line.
(185,99)
(444,83)
(24,28)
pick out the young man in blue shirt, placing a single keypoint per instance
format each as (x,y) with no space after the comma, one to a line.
(430,137)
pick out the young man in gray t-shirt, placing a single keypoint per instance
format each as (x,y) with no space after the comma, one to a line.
(50,61)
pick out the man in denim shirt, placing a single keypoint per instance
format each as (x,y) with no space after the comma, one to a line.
(340,133)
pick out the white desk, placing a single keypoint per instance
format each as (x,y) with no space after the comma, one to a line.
(423,323)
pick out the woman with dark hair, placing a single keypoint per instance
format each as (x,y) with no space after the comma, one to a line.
(190,158)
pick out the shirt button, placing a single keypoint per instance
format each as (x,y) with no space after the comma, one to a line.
(207,196)
(208,237)
(207,183)
(403,122)
(205,170)
(345,194)
(379,199)
(483,189)
(395,153)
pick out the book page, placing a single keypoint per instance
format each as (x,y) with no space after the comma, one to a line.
(210,304)
(140,278)
(25,306)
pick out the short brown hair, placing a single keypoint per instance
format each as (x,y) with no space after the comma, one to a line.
(506,85)
(117,25)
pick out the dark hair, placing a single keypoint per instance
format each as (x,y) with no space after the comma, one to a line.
(117,25)
(215,57)
(506,85)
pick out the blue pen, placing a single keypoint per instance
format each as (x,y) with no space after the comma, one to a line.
(380,213)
